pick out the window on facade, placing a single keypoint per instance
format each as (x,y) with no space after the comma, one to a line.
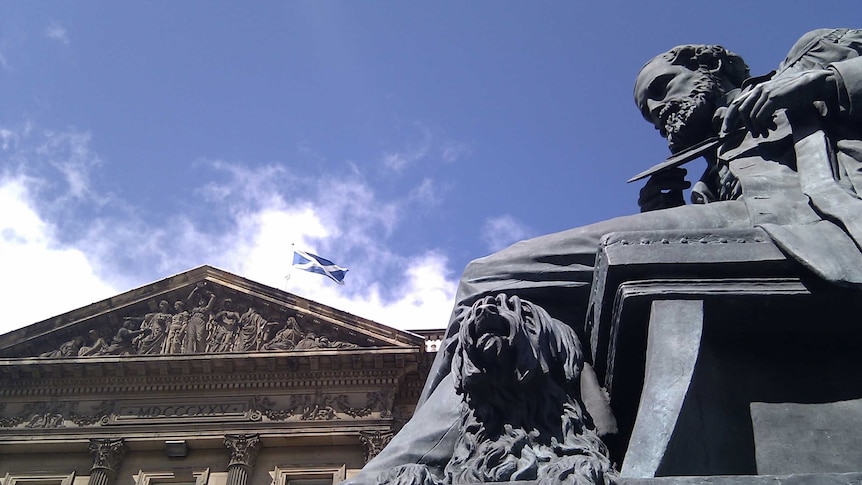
(185,477)
(39,479)
(322,475)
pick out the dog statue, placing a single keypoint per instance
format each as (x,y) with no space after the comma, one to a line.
(522,417)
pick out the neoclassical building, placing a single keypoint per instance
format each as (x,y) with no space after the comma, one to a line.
(202,378)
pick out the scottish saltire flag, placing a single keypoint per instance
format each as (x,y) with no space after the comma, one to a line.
(316,264)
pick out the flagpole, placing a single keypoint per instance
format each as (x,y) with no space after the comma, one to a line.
(292,252)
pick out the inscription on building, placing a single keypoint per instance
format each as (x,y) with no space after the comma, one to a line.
(128,412)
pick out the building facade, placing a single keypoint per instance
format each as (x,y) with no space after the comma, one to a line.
(202,378)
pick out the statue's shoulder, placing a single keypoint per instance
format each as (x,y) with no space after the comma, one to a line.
(809,42)
(806,40)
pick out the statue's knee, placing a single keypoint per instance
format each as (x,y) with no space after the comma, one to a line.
(474,269)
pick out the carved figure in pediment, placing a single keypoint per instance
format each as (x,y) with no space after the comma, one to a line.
(312,341)
(176,329)
(252,328)
(97,343)
(222,328)
(123,341)
(324,343)
(67,349)
(309,341)
(157,322)
(196,329)
(286,338)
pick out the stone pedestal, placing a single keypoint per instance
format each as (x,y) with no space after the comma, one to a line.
(721,357)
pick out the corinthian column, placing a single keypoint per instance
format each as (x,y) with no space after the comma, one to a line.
(243,450)
(107,455)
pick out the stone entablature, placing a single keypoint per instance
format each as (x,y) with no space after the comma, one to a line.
(284,408)
(22,377)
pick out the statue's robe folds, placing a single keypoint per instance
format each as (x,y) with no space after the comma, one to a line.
(813,221)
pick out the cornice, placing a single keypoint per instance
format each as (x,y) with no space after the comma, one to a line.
(352,367)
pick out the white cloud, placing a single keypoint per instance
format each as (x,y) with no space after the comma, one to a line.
(429,145)
(426,193)
(41,277)
(400,159)
(57,32)
(501,231)
(452,151)
(116,250)
(69,153)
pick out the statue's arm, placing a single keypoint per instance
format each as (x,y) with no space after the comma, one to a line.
(849,85)
(832,84)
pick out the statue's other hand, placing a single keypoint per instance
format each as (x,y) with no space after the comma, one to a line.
(664,190)
(754,109)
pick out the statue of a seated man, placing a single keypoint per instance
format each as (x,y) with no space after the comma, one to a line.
(765,172)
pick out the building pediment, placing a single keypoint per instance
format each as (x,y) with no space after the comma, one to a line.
(201,311)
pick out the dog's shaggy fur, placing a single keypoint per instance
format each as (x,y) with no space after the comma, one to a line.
(517,370)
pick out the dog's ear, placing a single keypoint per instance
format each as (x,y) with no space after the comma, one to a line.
(547,346)
(563,344)
(462,367)
(458,369)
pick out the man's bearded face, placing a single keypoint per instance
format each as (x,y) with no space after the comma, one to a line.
(679,102)
(689,120)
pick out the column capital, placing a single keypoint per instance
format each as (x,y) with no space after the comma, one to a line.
(108,453)
(243,448)
(374,442)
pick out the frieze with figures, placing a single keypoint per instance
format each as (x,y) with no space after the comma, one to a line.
(318,406)
(203,322)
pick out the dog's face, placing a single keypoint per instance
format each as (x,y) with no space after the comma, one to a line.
(506,341)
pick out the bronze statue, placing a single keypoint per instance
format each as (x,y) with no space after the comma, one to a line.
(805,196)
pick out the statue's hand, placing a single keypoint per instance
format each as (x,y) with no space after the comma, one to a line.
(754,109)
(664,190)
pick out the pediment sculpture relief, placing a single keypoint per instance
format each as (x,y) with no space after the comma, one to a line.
(204,322)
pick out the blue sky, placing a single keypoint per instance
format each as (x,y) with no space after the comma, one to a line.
(399,139)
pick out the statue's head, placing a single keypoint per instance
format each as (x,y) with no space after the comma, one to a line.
(680,90)
(164,306)
(179,306)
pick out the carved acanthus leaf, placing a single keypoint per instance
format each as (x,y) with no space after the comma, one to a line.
(243,448)
(374,442)
(108,453)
